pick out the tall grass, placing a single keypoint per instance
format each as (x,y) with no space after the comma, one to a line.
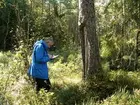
(122,97)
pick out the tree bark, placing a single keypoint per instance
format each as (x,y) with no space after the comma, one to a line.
(88,37)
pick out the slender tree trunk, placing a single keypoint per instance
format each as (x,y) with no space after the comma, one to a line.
(88,37)
(7,30)
(137,50)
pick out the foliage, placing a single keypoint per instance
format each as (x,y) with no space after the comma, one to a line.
(67,86)
(22,22)
(118,28)
(3,59)
(27,21)
(122,97)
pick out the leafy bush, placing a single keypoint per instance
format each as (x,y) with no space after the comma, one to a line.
(124,79)
(120,54)
(4,59)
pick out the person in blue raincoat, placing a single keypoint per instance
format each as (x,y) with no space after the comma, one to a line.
(38,69)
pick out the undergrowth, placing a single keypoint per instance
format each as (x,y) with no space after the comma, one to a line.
(113,88)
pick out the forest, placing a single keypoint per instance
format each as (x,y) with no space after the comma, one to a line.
(98,43)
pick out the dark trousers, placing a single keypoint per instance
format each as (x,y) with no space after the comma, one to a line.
(42,84)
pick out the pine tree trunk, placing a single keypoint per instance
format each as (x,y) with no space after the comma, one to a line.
(88,37)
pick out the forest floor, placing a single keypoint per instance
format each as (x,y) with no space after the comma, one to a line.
(118,87)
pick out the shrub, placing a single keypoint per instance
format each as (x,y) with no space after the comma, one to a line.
(4,59)
(67,86)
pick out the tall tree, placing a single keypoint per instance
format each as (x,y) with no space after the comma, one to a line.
(89,38)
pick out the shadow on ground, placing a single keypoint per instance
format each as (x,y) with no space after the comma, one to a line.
(97,89)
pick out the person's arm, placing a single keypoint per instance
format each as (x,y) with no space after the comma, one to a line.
(40,58)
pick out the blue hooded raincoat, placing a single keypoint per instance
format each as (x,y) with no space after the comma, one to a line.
(38,67)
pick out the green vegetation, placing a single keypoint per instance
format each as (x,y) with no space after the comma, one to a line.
(116,87)
(114,69)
